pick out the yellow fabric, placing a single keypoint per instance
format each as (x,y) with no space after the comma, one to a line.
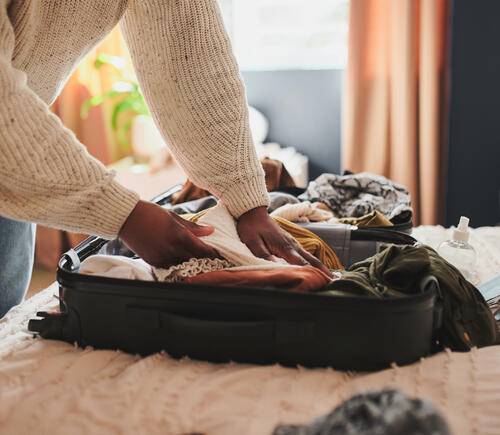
(311,243)
(308,240)
(373,219)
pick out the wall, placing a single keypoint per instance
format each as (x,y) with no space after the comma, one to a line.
(473,180)
(303,108)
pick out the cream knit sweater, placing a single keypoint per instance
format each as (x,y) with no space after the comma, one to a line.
(190,80)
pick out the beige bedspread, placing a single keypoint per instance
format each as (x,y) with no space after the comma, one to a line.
(52,387)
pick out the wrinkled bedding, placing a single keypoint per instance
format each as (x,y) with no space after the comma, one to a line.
(53,387)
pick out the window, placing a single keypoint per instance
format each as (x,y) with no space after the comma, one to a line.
(287,34)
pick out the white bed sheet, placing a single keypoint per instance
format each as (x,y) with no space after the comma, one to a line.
(52,387)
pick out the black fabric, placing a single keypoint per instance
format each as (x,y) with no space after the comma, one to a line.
(388,412)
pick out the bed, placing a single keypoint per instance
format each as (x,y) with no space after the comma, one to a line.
(53,387)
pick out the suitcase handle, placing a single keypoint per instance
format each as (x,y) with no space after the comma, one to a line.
(218,340)
(199,337)
(279,331)
(218,329)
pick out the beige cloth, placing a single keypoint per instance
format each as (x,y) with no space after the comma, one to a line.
(183,60)
(192,267)
(226,241)
(305,212)
(117,266)
(396,96)
(51,387)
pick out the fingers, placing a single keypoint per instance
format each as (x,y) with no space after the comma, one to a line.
(197,230)
(292,256)
(296,255)
(301,257)
(259,249)
(315,262)
(198,249)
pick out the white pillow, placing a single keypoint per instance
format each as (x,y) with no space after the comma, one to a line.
(259,125)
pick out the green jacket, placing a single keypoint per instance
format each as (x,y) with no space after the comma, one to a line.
(396,271)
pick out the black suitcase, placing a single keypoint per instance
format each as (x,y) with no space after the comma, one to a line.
(251,325)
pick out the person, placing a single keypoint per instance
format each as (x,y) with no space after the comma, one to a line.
(190,79)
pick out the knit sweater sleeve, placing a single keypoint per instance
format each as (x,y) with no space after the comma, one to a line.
(190,79)
(46,175)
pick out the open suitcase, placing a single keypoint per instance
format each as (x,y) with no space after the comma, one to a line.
(252,325)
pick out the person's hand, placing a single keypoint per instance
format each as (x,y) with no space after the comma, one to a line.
(162,238)
(266,239)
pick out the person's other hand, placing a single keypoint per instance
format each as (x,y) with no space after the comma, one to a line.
(266,239)
(163,238)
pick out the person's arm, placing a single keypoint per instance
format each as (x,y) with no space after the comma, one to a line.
(46,175)
(190,79)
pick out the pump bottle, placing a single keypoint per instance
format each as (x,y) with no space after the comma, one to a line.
(458,252)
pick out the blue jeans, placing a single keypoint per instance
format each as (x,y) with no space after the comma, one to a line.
(17,249)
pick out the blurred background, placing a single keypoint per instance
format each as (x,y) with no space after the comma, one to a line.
(407,89)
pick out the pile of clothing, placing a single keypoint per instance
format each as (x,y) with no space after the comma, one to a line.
(396,271)
(359,199)
(238,266)
(363,200)
(357,195)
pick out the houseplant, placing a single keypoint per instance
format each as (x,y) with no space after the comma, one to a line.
(130,119)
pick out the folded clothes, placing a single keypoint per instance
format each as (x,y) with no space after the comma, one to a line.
(278,199)
(117,266)
(223,220)
(305,212)
(225,238)
(240,266)
(373,219)
(292,278)
(312,243)
(355,195)
(192,267)
(397,270)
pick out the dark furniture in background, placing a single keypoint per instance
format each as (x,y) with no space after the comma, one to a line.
(473,179)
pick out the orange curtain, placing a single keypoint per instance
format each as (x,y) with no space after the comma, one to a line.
(396,96)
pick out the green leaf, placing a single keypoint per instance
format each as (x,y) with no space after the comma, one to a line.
(143,108)
(91,102)
(122,135)
(95,101)
(108,59)
(122,106)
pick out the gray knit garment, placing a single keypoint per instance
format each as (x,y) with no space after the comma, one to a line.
(388,412)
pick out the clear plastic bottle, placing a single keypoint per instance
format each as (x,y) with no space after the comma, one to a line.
(458,252)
